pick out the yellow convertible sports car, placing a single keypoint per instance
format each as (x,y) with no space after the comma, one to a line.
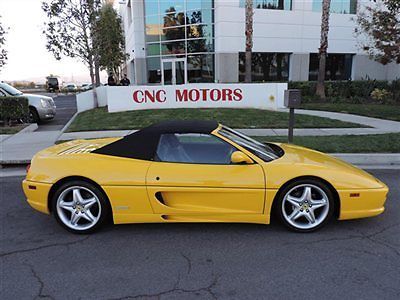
(196,171)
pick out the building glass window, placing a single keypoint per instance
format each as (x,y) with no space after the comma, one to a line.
(181,28)
(266,66)
(338,66)
(154,70)
(338,6)
(269,4)
(200,68)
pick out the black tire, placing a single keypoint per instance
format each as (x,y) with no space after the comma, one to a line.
(296,187)
(33,116)
(103,203)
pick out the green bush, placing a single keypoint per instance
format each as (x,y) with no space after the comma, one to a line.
(351,91)
(13,108)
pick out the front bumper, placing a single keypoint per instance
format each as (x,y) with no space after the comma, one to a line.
(37,195)
(363,203)
(47,113)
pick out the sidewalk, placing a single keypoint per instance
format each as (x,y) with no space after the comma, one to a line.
(21,147)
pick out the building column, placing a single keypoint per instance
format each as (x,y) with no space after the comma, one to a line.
(140,71)
(227,67)
(299,66)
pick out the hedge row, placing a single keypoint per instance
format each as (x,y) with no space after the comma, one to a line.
(13,108)
(365,91)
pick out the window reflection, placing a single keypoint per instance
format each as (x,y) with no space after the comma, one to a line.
(177,47)
(200,45)
(338,66)
(200,16)
(153,49)
(180,28)
(154,70)
(198,4)
(167,6)
(200,68)
(151,7)
(173,33)
(338,6)
(199,31)
(270,4)
(266,66)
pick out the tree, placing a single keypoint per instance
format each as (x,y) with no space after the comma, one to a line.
(249,39)
(323,49)
(3,51)
(379,28)
(109,40)
(69,31)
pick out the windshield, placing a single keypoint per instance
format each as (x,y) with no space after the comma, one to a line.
(52,80)
(11,90)
(261,150)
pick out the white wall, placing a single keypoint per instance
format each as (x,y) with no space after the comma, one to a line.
(296,31)
(85,100)
(123,98)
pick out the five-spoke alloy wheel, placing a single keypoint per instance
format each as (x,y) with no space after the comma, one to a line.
(80,207)
(305,205)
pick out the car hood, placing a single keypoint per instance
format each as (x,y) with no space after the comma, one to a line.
(35,96)
(301,161)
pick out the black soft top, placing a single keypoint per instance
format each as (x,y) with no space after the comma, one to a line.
(143,144)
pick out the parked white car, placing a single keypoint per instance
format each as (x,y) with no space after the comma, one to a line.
(86,87)
(71,87)
(40,107)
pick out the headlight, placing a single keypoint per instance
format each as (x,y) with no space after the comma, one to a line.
(44,103)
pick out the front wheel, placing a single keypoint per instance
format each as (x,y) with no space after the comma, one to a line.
(305,205)
(80,207)
(33,116)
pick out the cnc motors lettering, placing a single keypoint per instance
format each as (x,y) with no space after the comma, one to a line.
(188,95)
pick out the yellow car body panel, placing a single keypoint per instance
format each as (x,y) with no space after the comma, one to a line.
(197,192)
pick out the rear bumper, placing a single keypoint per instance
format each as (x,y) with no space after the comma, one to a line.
(37,195)
(362,203)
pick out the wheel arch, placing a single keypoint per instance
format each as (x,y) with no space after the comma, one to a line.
(336,196)
(75,178)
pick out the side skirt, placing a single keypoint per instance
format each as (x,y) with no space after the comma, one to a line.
(191,218)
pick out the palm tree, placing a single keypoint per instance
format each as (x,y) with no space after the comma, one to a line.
(323,49)
(249,39)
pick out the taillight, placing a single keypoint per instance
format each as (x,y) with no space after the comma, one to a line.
(28,167)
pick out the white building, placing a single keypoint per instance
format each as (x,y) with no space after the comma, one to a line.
(178,41)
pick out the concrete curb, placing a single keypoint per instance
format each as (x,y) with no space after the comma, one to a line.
(68,123)
(31,128)
(370,159)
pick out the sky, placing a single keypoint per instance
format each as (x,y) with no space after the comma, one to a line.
(28,58)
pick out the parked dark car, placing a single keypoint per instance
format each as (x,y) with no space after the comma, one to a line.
(52,84)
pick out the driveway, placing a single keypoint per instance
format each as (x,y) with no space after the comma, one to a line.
(66,108)
(357,259)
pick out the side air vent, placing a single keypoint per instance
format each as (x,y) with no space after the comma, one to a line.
(82,148)
(159,197)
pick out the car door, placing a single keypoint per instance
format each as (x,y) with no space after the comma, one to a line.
(192,173)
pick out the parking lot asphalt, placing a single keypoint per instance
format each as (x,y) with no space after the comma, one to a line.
(357,259)
(66,108)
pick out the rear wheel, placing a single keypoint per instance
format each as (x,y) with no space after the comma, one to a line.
(80,207)
(305,205)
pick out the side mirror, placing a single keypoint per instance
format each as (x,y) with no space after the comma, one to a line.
(239,157)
